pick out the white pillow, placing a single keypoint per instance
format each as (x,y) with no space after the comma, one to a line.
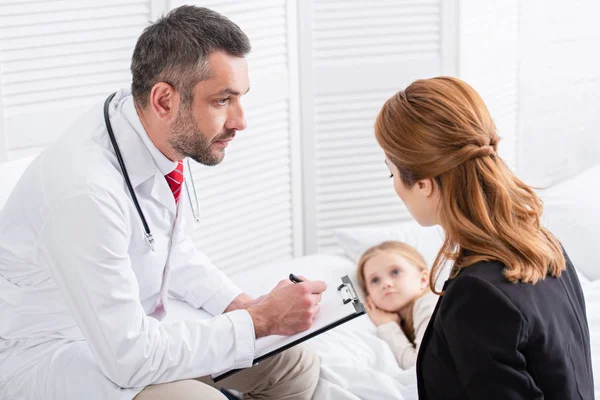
(10,173)
(355,241)
(428,241)
(572,214)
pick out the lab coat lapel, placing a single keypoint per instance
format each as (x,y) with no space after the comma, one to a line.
(138,160)
(162,193)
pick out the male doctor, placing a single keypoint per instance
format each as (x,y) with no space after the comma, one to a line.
(82,292)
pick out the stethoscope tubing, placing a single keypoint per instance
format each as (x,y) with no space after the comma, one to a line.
(113,140)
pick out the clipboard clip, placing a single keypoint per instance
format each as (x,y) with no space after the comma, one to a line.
(348,293)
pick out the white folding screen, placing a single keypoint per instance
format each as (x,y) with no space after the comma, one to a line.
(294,176)
(251,203)
(488,61)
(57,58)
(559,89)
(353,56)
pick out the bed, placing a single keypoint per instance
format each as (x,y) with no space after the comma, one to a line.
(356,364)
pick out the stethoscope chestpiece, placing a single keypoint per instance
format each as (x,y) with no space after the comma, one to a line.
(150,240)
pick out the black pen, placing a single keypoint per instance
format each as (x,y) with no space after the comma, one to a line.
(295,279)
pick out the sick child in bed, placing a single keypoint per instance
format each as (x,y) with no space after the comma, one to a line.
(395,278)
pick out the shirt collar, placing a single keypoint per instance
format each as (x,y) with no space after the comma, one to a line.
(164,165)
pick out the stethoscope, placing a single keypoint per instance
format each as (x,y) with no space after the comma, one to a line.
(147,232)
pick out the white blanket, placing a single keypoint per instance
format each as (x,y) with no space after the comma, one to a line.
(355,363)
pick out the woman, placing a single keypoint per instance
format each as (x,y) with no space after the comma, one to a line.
(395,277)
(511,323)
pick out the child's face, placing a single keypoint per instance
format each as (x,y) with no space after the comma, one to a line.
(393,282)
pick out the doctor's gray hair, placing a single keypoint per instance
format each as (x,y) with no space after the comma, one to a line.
(175,50)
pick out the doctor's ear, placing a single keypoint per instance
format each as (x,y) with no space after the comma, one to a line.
(164,101)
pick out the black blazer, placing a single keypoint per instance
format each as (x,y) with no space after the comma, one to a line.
(492,339)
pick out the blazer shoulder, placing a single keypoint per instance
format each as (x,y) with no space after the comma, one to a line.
(482,295)
(486,277)
(484,269)
(490,272)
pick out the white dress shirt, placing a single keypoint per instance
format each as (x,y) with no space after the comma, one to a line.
(79,284)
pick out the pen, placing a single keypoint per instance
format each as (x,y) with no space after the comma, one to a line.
(295,279)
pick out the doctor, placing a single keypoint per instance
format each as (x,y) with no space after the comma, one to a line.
(85,275)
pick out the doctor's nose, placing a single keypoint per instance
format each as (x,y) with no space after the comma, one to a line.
(236,119)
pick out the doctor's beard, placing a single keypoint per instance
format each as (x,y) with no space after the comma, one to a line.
(185,138)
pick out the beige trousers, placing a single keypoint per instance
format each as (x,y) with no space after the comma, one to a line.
(291,375)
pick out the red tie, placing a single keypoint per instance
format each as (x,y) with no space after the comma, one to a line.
(175,179)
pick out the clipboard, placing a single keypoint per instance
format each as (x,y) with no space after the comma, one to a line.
(339,304)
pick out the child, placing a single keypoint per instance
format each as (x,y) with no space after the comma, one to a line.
(395,279)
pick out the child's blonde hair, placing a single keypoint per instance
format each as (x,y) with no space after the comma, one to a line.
(413,256)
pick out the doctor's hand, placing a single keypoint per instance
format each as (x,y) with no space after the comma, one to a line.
(287,309)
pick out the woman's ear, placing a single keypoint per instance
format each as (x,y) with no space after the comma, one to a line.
(426,187)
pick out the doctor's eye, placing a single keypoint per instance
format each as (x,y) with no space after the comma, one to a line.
(222,102)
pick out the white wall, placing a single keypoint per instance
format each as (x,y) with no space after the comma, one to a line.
(488,47)
(320,70)
(536,64)
(559,96)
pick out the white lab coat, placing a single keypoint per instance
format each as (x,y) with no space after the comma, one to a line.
(80,289)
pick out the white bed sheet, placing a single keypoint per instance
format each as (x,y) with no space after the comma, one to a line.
(355,363)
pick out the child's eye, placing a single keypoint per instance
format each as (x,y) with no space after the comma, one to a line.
(395,272)
(391,175)
(374,281)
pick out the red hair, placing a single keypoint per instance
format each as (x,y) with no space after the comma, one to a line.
(440,128)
